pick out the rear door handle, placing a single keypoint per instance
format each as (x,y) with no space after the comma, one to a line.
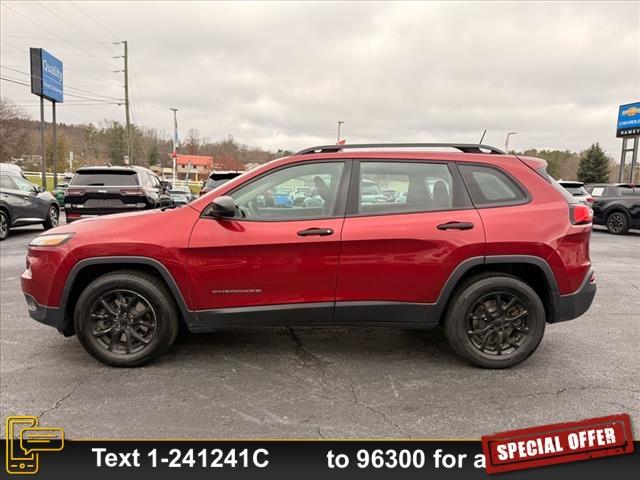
(456,226)
(322,232)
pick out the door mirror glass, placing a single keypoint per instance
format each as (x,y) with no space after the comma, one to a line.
(39,189)
(166,185)
(223,207)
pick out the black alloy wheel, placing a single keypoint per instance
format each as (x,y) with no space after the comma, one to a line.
(497,323)
(126,318)
(618,223)
(123,322)
(495,320)
(4,225)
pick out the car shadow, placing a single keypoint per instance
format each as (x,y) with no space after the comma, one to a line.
(319,343)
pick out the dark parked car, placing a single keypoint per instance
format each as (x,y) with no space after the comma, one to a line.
(95,191)
(216,179)
(22,203)
(468,255)
(616,205)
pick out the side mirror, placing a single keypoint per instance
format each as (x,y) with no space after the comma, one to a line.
(223,207)
(39,189)
(165,185)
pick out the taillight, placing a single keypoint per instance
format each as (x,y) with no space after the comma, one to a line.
(75,191)
(132,191)
(590,199)
(580,214)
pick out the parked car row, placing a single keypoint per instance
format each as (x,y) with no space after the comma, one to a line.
(614,205)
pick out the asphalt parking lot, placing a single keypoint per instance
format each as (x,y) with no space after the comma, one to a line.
(327,383)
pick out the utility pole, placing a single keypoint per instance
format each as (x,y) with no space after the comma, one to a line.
(55,149)
(506,142)
(340,122)
(43,165)
(174,155)
(126,99)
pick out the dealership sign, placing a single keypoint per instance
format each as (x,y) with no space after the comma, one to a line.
(628,120)
(46,75)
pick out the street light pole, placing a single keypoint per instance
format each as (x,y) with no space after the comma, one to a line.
(506,142)
(340,122)
(175,141)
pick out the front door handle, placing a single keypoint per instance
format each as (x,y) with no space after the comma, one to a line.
(322,232)
(456,226)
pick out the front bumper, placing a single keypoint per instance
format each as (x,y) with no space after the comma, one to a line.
(51,316)
(568,307)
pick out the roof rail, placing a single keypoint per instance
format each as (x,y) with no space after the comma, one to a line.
(463,147)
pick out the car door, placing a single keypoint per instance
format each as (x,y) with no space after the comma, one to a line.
(10,197)
(30,207)
(399,250)
(279,259)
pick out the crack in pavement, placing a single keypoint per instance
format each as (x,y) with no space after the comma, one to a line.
(306,357)
(61,400)
(357,401)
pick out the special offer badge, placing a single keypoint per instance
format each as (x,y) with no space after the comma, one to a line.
(558,443)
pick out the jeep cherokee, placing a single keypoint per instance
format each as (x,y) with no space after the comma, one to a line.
(484,244)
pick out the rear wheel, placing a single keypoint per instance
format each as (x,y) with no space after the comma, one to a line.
(126,318)
(53,218)
(618,223)
(495,321)
(4,225)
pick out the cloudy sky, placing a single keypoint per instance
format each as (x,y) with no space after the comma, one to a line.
(280,75)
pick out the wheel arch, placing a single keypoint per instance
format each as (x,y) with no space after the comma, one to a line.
(87,270)
(534,271)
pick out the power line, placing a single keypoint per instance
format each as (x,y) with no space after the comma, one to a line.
(115,37)
(65,86)
(67,22)
(53,33)
(73,95)
(11,45)
(31,37)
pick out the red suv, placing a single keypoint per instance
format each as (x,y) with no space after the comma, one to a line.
(484,244)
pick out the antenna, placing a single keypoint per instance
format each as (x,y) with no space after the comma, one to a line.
(482,137)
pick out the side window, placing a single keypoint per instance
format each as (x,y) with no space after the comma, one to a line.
(292,193)
(145,179)
(396,187)
(5,182)
(155,181)
(597,191)
(489,186)
(24,185)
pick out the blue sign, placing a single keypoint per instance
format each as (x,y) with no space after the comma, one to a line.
(628,120)
(46,75)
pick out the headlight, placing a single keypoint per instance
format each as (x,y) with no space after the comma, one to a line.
(50,240)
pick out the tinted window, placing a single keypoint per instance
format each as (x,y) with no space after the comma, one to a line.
(489,186)
(625,191)
(271,196)
(395,187)
(102,178)
(576,190)
(5,182)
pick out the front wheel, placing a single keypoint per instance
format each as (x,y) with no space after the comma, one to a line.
(495,321)
(4,225)
(618,223)
(126,318)
(53,218)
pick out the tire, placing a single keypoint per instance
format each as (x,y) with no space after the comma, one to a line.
(5,225)
(53,218)
(488,348)
(148,304)
(618,223)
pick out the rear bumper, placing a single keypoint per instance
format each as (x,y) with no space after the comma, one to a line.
(51,316)
(568,307)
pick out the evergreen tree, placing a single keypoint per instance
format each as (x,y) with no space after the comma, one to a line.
(594,165)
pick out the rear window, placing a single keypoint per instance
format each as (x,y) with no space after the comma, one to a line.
(576,190)
(105,179)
